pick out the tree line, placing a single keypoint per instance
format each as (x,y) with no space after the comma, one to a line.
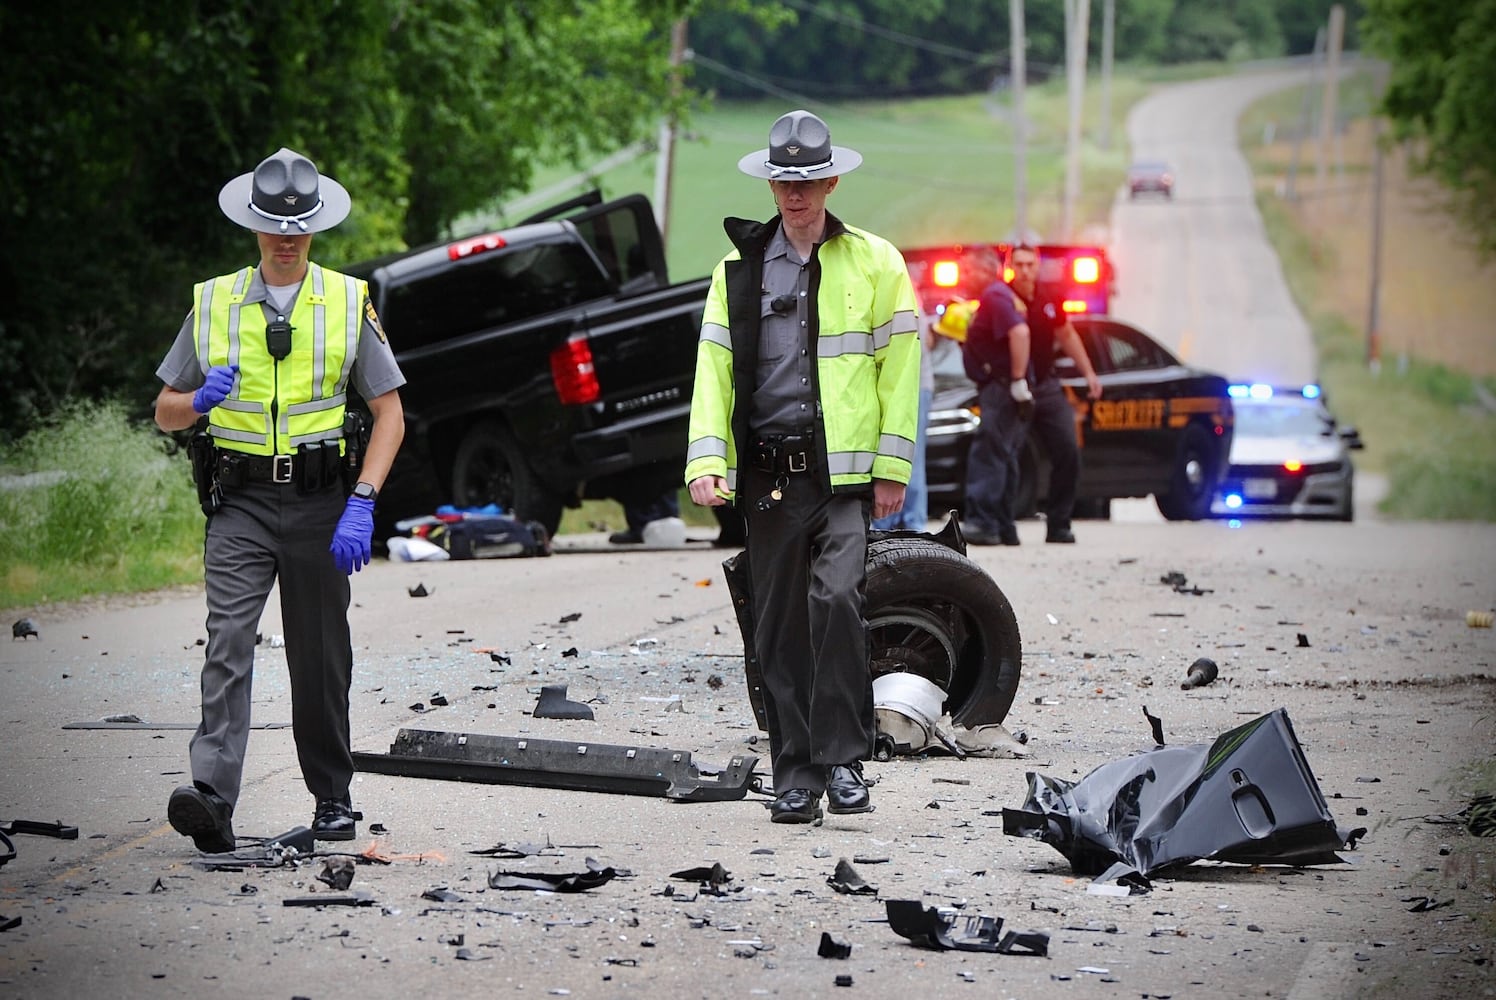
(120,121)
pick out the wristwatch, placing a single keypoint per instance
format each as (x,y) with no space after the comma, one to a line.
(366,491)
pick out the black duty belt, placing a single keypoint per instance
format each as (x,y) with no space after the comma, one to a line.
(258,468)
(781,454)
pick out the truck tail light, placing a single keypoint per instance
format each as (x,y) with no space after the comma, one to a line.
(1074,306)
(475,244)
(573,373)
(946,273)
(1085,270)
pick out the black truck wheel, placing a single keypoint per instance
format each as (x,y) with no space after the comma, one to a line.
(490,468)
(934,612)
(1194,479)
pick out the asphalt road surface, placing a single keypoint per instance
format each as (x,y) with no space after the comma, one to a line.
(1357,630)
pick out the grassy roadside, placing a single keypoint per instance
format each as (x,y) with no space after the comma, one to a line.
(1428,424)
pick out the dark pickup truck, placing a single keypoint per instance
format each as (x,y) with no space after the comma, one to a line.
(546,363)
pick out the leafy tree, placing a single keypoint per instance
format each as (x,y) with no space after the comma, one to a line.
(1443,73)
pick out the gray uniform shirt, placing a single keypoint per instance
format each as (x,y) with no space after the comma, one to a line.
(783,400)
(374,369)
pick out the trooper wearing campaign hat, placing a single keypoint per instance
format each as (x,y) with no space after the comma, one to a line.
(804,416)
(263,365)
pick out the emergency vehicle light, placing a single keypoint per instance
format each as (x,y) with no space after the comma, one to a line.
(1073,305)
(1233,501)
(475,244)
(1085,270)
(946,273)
(1311,391)
(1293,465)
(1007,274)
(1257,390)
(573,372)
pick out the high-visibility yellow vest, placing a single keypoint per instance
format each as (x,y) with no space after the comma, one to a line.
(278,405)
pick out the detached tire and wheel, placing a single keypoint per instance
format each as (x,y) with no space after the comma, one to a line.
(489,467)
(1195,474)
(931,611)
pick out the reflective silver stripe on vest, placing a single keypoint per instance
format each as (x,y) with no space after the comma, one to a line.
(852,342)
(894,446)
(319,332)
(707,447)
(312,406)
(353,331)
(715,333)
(732,479)
(229,435)
(205,325)
(236,296)
(331,434)
(850,463)
(903,321)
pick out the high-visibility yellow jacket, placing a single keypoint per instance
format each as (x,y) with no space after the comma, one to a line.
(276,406)
(863,331)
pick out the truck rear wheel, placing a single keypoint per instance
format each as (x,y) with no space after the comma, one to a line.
(490,468)
(933,612)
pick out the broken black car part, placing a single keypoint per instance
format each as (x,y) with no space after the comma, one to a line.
(1249,797)
(584,767)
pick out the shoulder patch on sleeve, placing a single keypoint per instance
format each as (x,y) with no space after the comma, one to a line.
(373,318)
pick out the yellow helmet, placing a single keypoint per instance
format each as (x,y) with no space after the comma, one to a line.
(953,318)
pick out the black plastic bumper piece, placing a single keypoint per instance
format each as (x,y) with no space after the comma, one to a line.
(583,767)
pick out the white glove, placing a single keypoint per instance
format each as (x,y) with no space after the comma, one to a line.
(1019,387)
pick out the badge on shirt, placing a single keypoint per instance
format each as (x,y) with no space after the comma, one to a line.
(373,318)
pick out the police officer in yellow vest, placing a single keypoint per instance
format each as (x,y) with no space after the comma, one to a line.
(804,412)
(268,356)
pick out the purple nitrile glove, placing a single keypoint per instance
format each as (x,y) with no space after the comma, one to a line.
(217,385)
(354,535)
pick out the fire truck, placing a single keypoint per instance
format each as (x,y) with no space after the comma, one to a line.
(1079,277)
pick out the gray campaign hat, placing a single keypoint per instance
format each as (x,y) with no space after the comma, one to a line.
(285,194)
(799,150)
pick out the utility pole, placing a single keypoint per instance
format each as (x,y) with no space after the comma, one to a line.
(1019,68)
(1374,308)
(1108,37)
(1306,113)
(1077,19)
(665,158)
(1327,124)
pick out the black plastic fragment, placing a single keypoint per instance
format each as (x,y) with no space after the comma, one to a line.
(553,704)
(37,828)
(24,628)
(337,872)
(419,590)
(943,928)
(832,948)
(8,923)
(1157,726)
(845,879)
(359,898)
(1024,943)
(594,876)
(441,894)
(714,877)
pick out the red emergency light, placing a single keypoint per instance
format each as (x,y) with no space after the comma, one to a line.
(1074,306)
(1085,270)
(573,371)
(946,273)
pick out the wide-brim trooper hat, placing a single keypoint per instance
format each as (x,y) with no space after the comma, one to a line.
(800,150)
(285,194)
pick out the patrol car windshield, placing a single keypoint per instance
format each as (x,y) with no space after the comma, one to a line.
(1280,418)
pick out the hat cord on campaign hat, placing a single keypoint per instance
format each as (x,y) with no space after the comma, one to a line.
(286,220)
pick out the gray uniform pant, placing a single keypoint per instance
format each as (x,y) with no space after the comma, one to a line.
(808,558)
(266,531)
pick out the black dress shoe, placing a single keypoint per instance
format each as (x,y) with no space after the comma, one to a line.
(846,791)
(798,805)
(976,536)
(335,820)
(204,816)
(1061,536)
(626,537)
(1009,537)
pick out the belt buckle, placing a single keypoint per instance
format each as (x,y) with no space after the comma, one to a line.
(280,469)
(796,461)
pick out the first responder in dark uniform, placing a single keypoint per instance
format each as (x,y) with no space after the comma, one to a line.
(268,356)
(1009,353)
(805,407)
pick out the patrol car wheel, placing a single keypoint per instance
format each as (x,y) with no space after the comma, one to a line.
(934,612)
(490,468)
(1195,473)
